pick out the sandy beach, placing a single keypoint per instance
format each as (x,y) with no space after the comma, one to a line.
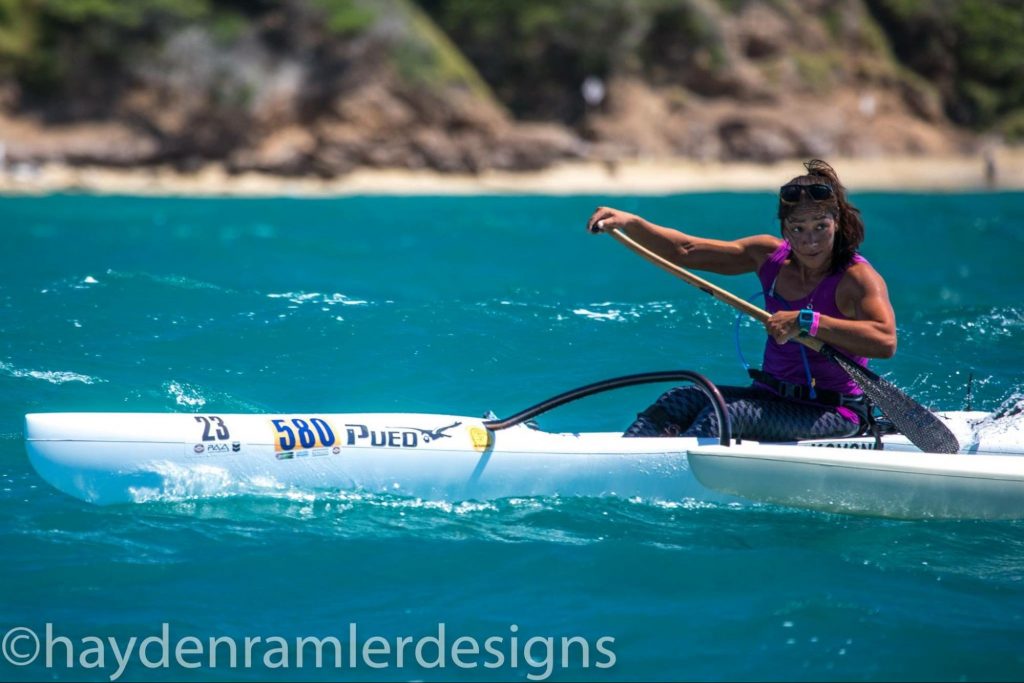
(1004,170)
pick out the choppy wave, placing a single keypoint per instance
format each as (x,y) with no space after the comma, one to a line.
(174,281)
(51,376)
(609,314)
(932,549)
(1005,425)
(185,394)
(993,323)
(625,312)
(325,302)
(303,298)
(1013,405)
(359,514)
(195,397)
(90,280)
(183,482)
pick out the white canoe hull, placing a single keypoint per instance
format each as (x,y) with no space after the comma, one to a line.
(107,458)
(985,480)
(878,483)
(110,458)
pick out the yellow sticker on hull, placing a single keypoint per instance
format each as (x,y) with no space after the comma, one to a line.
(480,437)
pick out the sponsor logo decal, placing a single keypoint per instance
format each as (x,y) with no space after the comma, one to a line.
(361,435)
(394,437)
(862,445)
(215,448)
(480,437)
(432,434)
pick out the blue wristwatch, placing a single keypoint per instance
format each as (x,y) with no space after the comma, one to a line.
(806,320)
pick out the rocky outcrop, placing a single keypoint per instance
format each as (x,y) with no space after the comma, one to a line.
(772,80)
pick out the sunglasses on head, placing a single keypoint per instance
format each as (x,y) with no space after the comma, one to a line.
(790,194)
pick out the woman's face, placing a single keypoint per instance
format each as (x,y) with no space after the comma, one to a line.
(811,237)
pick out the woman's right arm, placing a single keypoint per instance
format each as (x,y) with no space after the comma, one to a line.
(744,255)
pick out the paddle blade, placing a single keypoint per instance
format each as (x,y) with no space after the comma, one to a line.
(924,429)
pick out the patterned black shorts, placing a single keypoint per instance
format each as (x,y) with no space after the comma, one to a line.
(755,413)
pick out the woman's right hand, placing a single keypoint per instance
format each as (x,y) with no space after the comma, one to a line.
(606,218)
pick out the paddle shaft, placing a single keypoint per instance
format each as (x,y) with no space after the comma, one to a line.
(742,305)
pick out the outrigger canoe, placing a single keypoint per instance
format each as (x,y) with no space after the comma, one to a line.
(958,465)
(108,458)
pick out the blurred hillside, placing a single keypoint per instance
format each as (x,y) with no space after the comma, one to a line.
(321,87)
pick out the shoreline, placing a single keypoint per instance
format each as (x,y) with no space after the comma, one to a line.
(633,177)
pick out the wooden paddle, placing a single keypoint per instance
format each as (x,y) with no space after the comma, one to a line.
(924,429)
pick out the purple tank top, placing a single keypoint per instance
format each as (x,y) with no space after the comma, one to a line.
(784,361)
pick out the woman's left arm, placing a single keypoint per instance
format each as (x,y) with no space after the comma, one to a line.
(863,297)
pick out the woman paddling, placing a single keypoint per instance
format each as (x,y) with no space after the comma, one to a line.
(815,283)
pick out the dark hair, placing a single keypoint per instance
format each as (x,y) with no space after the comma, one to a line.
(849,226)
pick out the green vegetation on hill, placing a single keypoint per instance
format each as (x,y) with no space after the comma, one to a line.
(534,53)
(69,59)
(973,50)
(50,48)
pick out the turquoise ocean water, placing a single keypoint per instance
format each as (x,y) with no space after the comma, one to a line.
(462,305)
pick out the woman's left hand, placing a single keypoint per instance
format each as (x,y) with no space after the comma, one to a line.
(783,326)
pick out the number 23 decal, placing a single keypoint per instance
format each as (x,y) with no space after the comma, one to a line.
(209,423)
